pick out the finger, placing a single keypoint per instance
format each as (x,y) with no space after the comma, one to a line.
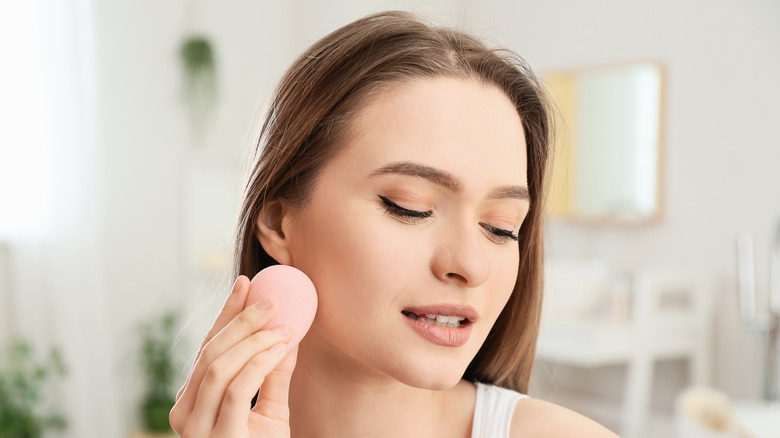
(234,410)
(234,304)
(238,329)
(274,398)
(224,370)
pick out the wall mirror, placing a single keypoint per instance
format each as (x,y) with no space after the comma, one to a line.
(608,143)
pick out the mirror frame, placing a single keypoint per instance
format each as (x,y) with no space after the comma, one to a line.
(561,204)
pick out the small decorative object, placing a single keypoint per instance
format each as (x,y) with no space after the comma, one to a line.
(160,371)
(200,83)
(703,412)
(23,408)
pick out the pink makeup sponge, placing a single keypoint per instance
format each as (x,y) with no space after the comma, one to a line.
(295,297)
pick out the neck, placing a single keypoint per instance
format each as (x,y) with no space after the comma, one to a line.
(334,396)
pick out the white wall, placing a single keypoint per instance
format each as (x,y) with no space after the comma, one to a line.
(722,106)
(153,222)
(165,201)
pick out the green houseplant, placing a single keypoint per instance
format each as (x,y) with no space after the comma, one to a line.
(159,368)
(200,83)
(23,408)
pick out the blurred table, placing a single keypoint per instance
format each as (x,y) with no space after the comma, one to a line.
(761,420)
(669,320)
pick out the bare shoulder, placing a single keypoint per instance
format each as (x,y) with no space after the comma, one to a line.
(537,418)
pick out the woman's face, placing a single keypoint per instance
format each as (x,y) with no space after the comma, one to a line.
(417,215)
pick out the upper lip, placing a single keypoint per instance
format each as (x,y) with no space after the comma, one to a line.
(446,309)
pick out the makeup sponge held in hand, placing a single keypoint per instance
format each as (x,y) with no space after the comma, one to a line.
(295,297)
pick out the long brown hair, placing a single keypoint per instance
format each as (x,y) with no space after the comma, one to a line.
(308,121)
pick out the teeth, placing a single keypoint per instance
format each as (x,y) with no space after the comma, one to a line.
(444,318)
(439,320)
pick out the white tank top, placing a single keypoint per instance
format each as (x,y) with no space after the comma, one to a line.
(493,411)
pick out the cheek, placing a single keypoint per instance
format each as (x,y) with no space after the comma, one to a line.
(502,283)
(356,264)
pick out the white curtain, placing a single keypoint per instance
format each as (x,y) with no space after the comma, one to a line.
(51,286)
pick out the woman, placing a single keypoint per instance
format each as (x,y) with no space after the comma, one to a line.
(402,168)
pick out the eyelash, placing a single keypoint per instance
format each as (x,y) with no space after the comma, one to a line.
(396,210)
(499,235)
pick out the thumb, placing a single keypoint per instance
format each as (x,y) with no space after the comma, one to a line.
(273,398)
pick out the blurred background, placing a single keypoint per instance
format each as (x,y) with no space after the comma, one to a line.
(125,129)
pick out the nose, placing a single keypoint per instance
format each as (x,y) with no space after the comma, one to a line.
(460,258)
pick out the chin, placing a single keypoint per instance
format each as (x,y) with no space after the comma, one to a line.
(431,375)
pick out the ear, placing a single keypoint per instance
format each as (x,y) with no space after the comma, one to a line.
(270,231)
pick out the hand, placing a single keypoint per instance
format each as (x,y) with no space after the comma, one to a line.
(237,357)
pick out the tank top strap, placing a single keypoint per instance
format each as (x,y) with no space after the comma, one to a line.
(493,411)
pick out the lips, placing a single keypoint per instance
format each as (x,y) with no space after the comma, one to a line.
(447,325)
(448,310)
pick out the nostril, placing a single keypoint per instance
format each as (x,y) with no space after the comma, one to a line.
(457,277)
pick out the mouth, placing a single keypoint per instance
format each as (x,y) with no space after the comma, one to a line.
(450,321)
(443,315)
(448,325)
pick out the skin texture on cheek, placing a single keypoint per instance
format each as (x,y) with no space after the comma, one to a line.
(348,253)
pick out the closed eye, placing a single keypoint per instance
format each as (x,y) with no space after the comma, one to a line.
(500,235)
(404,213)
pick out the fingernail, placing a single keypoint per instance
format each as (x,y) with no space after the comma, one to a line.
(263,304)
(281,330)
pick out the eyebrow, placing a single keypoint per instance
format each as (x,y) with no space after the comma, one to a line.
(447,180)
(511,192)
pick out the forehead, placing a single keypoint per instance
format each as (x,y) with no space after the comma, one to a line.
(462,126)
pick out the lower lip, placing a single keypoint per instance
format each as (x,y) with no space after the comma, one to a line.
(445,336)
